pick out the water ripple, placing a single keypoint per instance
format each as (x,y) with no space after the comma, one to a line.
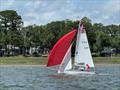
(41,78)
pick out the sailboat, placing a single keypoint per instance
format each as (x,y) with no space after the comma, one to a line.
(60,55)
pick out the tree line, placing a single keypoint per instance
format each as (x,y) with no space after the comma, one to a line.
(103,39)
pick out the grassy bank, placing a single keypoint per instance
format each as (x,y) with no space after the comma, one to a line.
(23,60)
(106,59)
(43,60)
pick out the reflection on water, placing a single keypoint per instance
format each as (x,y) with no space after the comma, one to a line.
(107,77)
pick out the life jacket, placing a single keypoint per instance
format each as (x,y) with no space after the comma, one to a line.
(87,67)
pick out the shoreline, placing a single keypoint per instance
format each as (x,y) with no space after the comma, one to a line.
(36,65)
(21,65)
(42,61)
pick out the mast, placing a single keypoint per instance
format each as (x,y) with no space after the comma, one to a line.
(78,42)
(82,53)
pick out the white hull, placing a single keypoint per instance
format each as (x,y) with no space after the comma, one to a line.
(71,72)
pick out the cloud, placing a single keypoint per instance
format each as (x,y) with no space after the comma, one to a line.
(105,17)
(38,2)
(48,15)
(34,4)
(5,4)
(107,12)
(45,11)
(113,6)
(26,23)
(111,12)
(32,15)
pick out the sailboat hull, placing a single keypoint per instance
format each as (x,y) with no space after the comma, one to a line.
(71,72)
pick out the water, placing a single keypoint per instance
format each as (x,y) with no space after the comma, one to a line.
(41,78)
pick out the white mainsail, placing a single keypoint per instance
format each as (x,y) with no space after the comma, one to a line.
(67,62)
(82,53)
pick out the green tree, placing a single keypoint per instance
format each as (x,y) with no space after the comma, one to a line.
(10,26)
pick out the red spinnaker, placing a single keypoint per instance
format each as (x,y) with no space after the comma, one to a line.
(60,48)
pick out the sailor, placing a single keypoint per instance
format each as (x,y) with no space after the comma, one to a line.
(87,67)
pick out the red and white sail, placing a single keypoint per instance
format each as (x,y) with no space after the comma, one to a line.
(60,49)
(67,62)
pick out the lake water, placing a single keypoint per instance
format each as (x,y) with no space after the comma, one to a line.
(42,78)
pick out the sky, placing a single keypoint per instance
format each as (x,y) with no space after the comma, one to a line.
(41,12)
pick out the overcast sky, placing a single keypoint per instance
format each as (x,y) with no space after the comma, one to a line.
(44,11)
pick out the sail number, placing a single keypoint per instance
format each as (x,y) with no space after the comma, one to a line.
(84,41)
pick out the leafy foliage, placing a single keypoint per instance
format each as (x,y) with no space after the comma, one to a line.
(45,36)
